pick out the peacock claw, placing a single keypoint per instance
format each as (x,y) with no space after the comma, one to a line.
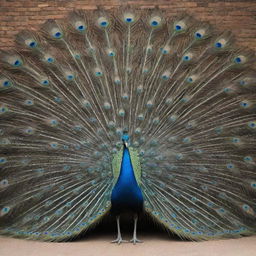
(119,240)
(135,241)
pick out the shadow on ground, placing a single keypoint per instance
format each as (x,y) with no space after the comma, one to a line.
(146,228)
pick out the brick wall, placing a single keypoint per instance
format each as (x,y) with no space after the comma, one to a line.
(234,15)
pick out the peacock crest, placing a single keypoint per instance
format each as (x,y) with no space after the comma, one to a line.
(89,95)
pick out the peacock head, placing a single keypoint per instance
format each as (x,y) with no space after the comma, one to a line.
(125,139)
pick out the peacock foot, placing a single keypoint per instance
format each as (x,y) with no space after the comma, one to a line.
(135,240)
(119,240)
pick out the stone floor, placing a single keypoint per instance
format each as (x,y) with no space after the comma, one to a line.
(154,244)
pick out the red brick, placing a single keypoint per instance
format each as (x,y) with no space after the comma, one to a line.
(237,16)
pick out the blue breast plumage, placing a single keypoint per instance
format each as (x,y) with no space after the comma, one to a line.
(126,194)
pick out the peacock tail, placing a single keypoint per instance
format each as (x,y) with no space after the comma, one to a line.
(181,90)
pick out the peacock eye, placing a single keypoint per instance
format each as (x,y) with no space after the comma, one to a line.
(198,35)
(3,160)
(111,53)
(218,45)
(54,122)
(57,99)
(50,60)
(240,59)
(242,82)
(121,112)
(165,50)
(246,207)
(252,124)
(247,158)
(54,145)
(5,210)
(228,90)
(98,72)
(33,44)
(70,77)
(6,84)
(210,204)
(253,184)
(129,18)
(58,34)
(166,75)
(230,166)
(4,183)
(235,140)
(186,58)
(103,22)
(45,82)
(29,131)
(3,109)
(117,80)
(29,102)
(178,27)
(155,21)
(81,27)
(17,63)
(245,104)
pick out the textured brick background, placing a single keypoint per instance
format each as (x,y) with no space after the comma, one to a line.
(234,15)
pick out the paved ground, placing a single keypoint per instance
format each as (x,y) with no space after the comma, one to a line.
(155,245)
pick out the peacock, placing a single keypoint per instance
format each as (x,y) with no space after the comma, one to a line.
(127,111)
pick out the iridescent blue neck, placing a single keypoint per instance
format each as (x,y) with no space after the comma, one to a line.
(127,177)
(126,193)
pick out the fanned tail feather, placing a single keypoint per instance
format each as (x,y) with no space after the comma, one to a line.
(183,92)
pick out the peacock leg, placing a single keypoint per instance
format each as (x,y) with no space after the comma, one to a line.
(135,240)
(119,239)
